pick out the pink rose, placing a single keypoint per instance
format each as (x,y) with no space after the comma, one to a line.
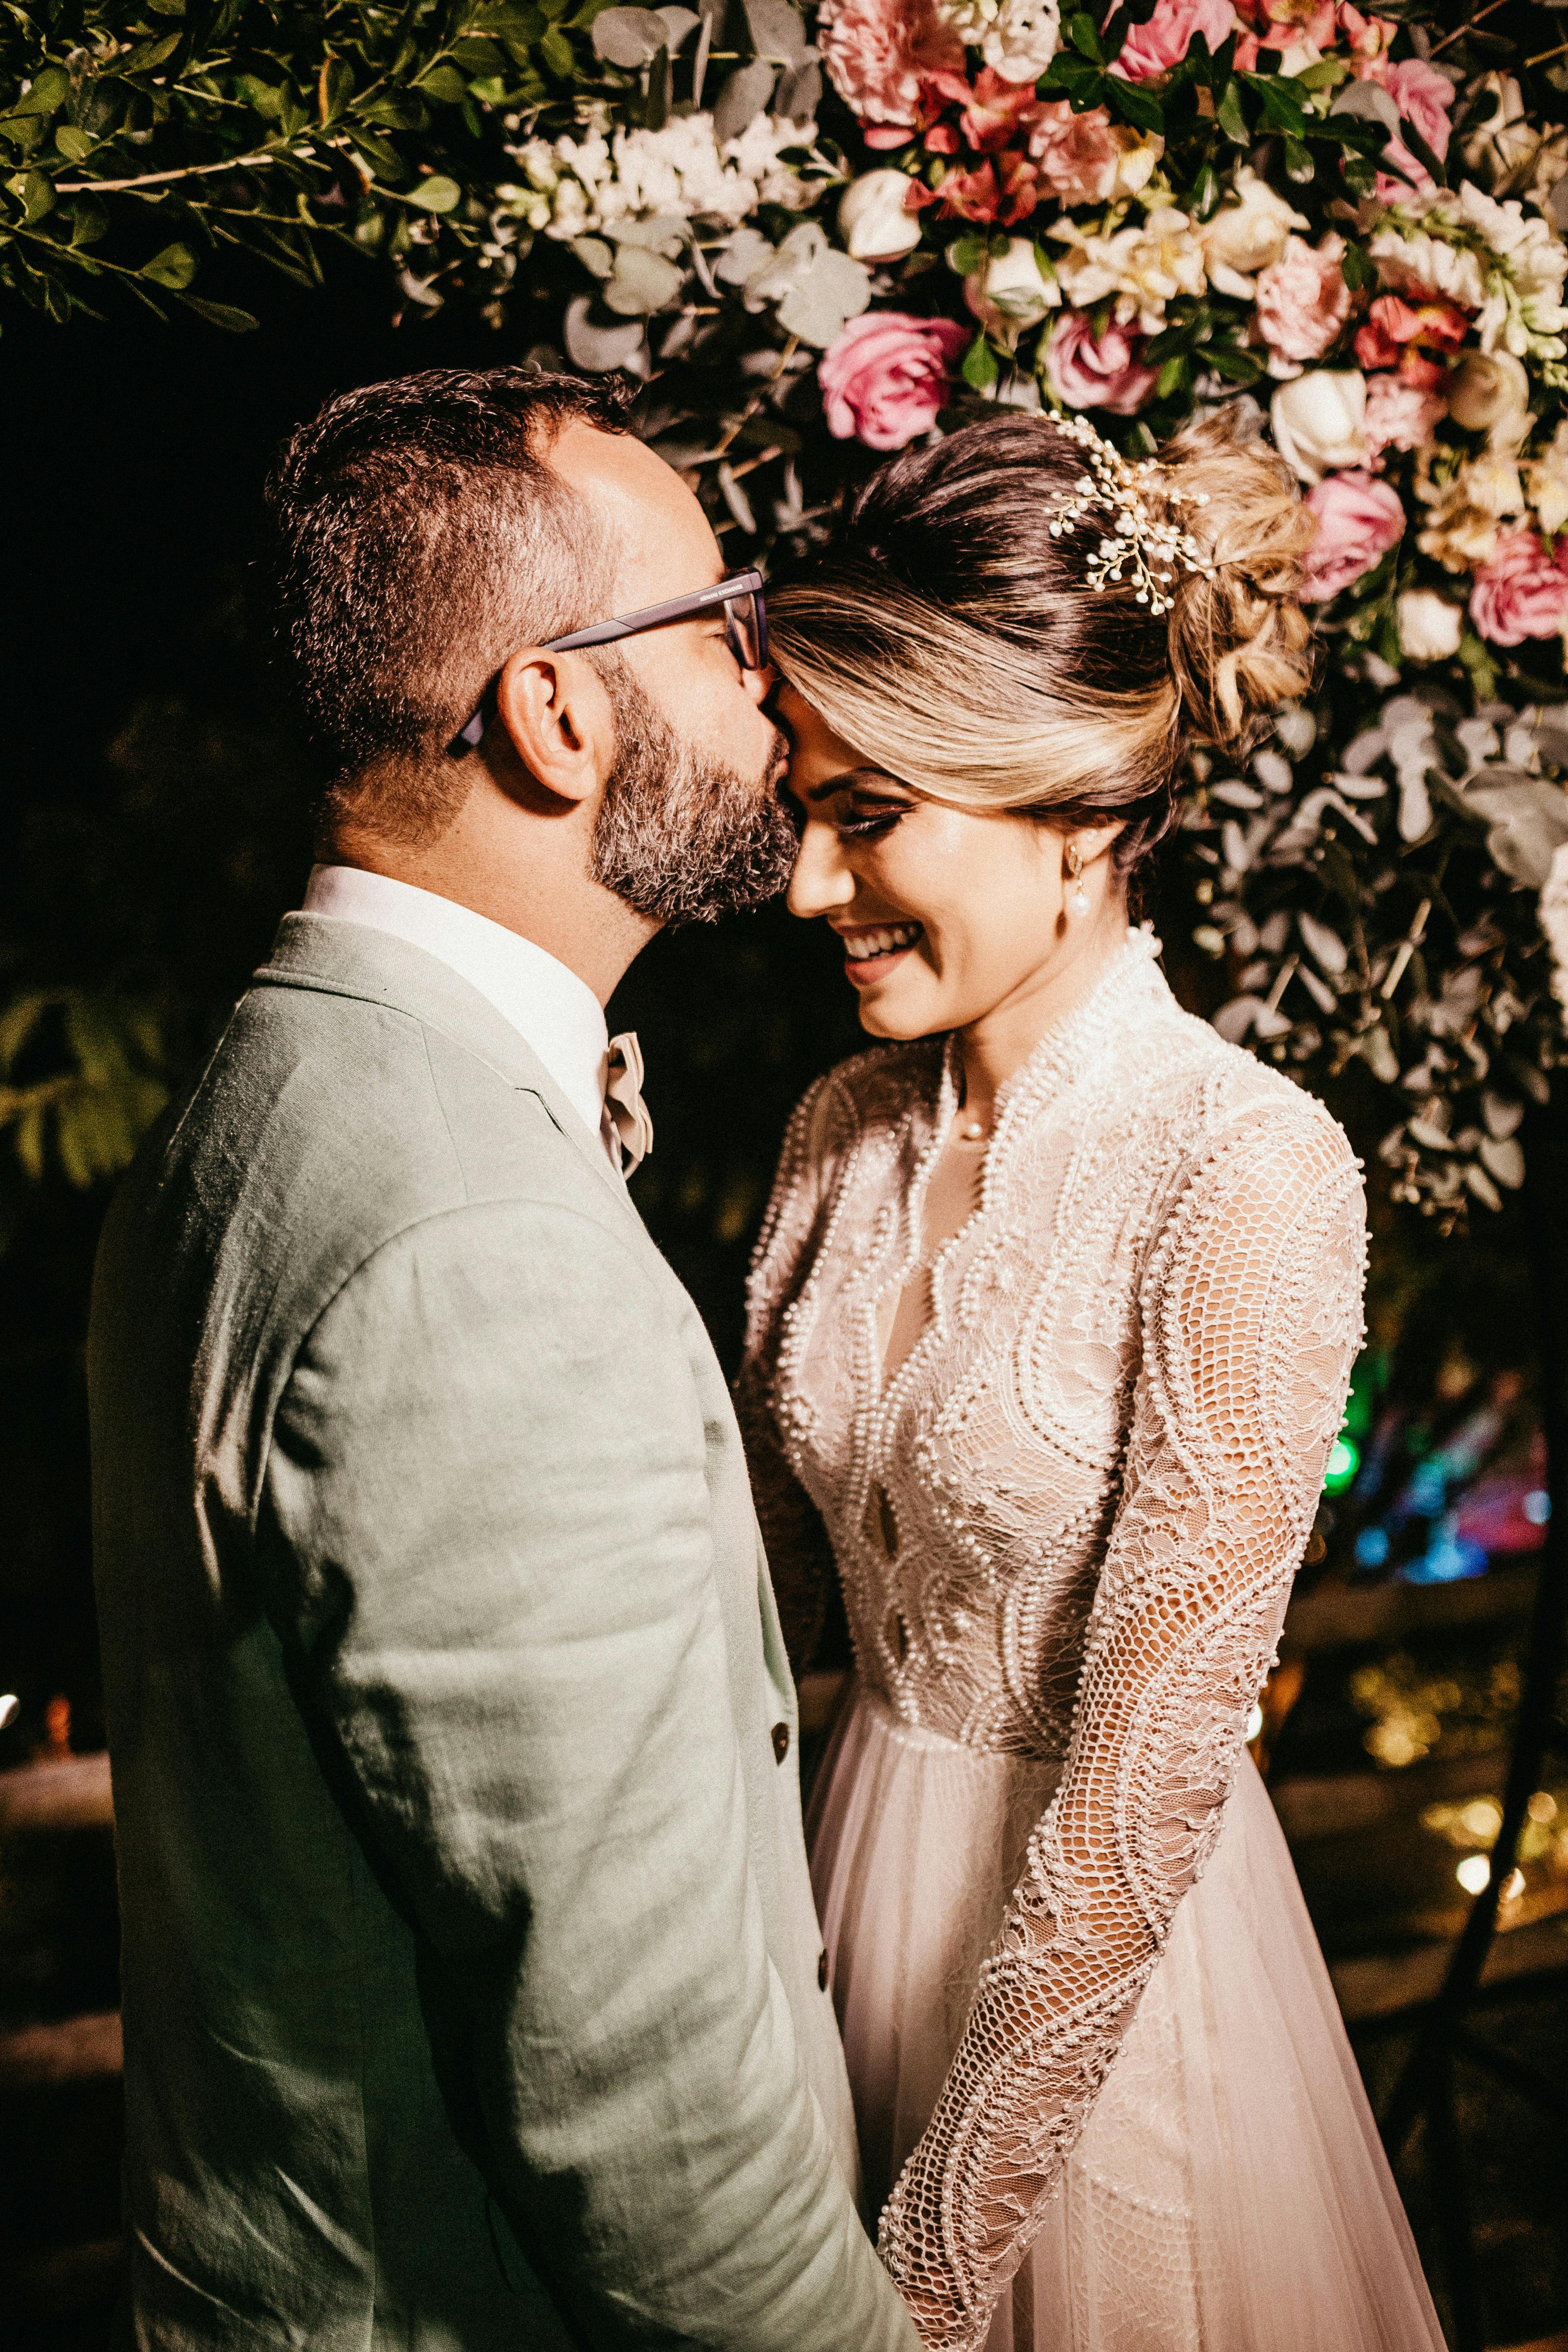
(1358,520)
(1400,416)
(1302,299)
(886,375)
(879,53)
(1104,372)
(1164,40)
(1425,98)
(1522,592)
(1078,153)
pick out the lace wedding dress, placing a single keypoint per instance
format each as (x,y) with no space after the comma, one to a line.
(1100,2080)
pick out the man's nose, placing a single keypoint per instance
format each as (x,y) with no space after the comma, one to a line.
(822,880)
(760,683)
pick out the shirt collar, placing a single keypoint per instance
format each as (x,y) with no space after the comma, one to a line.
(557,1014)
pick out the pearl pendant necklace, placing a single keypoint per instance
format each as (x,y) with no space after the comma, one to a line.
(974,1132)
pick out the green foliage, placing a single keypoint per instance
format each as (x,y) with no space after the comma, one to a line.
(80,1078)
(134,149)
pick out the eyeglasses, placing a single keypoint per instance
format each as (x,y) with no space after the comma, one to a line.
(745,632)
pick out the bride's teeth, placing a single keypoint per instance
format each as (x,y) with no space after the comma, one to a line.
(859,945)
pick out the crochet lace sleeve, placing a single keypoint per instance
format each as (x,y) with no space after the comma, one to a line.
(800,1557)
(1250,1313)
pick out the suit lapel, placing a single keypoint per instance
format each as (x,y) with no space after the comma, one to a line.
(333,958)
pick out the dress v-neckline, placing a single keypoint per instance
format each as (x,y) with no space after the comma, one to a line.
(1059,1054)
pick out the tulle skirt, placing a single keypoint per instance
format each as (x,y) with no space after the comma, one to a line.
(1228,2193)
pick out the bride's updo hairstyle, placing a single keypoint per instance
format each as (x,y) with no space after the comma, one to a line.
(961,643)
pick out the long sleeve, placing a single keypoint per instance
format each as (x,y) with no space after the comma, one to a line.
(488,1533)
(1250,1315)
(800,1557)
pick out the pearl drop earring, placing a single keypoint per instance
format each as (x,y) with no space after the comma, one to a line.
(1078,896)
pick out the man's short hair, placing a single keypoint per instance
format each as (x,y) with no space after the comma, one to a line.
(416,535)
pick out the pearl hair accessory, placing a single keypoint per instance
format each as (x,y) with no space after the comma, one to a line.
(1077,897)
(1149,551)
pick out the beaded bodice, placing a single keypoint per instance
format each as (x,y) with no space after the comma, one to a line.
(1067,1525)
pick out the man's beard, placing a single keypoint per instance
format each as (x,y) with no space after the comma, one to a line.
(680,837)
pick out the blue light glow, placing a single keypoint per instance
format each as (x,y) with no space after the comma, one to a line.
(1372,1548)
(1537,1506)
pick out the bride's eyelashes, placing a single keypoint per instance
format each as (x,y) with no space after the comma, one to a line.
(868,824)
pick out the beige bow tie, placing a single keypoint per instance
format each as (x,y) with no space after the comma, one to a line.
(623,1099)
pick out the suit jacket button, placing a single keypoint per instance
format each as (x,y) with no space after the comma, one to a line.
(822,1972)
(780,1742)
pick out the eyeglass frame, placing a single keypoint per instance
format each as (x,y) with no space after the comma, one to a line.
(469,736)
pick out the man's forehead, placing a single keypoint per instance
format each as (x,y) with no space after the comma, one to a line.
(663,542)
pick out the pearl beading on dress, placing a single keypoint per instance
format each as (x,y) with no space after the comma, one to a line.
(1100,1462)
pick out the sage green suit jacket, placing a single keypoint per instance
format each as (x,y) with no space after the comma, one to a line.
(472,1979)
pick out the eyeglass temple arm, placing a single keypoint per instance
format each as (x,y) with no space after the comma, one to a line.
(604,633)
(631,625)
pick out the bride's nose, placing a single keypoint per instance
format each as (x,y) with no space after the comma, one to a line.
(822,880)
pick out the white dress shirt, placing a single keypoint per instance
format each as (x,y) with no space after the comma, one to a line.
(551,1010)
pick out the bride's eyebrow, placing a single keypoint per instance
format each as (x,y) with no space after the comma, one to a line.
(847,782)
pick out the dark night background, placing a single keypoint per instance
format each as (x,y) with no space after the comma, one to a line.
(153,829)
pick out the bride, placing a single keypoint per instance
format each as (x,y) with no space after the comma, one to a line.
(1052,1323)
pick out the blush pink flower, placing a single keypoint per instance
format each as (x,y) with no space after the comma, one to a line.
(1522,592)
(1400,416)
(885,377)
(1358,520)
(880,53)
(992,111)
(1086,371)
(1368,38)
(1302,299)
(1164,40)
(1425,98)
(1082,159)
(1281,22)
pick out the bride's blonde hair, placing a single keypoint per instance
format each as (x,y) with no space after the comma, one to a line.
(957,641)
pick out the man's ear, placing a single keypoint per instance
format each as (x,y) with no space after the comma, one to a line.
(556,713)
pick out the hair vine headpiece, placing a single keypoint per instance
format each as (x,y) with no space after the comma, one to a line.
(1147,551)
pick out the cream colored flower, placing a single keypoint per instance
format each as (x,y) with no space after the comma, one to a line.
(1011,293)
(1429,626)
(1463,514)
(1243,238)
(1515,156)
(1319,421)
(1548,478)
(1489,392)
(1144,267)
(873,218)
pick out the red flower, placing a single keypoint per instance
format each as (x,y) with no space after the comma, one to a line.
(1399,333)
(1004,189)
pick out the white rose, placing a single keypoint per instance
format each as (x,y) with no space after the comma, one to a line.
(1012,292)
(1429,626)
(1246,236)
(1489,392)
(1320,421)
(872,220)
(1017,38)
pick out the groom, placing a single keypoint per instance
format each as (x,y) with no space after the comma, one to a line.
(473,1995)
